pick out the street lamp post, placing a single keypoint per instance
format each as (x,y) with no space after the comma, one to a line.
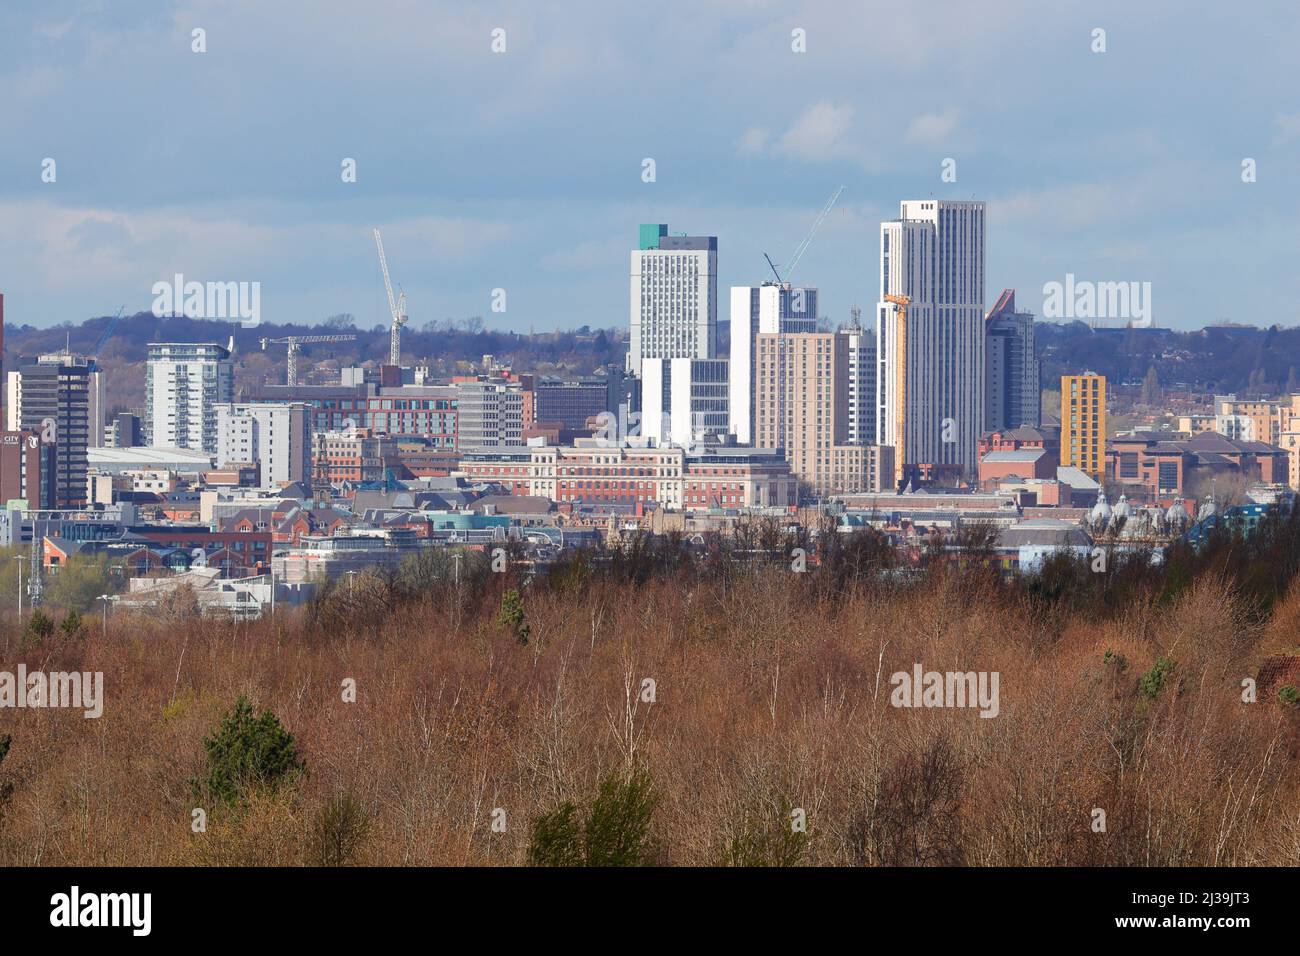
(105,599)
(352,580)
(19,559)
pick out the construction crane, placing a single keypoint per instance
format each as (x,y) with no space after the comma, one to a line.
(108,330)
(295,344)
(395,306)
(807,240)
(772,265)
(900,385)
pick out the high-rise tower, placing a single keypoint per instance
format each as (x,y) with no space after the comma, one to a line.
(930,335)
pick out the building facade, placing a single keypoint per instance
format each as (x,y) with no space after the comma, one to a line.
(863,368)
(356,455)
(684,400)
(1264,420)
(1012,389)
(571,401)
(274,436)
(768,308)
(930,334)
(184,384)
(492,411)
(802,386)
(1151,465)
(710,476)
(1083,423)
(26,469)
(736,476)
(58,396)
(674,297)
(124,430)
(585,473)
(424,411)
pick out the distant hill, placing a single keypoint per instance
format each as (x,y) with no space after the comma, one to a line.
(1241,359)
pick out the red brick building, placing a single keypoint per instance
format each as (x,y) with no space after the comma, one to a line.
(1152,464)
(735,477)
(1018,439)
(1021,463)
(588,473)
(23,459)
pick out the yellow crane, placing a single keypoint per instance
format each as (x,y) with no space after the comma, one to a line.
(900,386)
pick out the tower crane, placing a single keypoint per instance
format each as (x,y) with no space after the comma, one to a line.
(108,331)
(295,344)
(395,306)
(807,240)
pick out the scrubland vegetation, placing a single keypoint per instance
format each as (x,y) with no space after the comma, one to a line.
(681,708)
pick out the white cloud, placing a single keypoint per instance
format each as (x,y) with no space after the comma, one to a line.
(818,134)
(931,129)
(754,141)
(1288,126)
(1069,206)
(71,252)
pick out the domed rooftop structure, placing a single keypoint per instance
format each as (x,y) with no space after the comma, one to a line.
(1122,509)
(1176,515)
(1101,510)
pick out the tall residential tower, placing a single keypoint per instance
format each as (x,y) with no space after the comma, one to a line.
(1083,423)
(930,336)
(674,293)
(802,388)
(184,383)
(57,397)
(767,308)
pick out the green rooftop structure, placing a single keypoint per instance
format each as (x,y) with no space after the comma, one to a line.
(651,233)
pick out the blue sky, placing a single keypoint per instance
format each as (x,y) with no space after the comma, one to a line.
(522,170)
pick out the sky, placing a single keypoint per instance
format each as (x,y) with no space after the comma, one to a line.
(522,170)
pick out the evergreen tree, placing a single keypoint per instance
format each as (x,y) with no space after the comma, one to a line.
(40,626)
(71,625)
(246,752)
(616,831)
(512,616)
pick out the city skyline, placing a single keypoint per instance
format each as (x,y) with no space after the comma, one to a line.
(1086,172)
(750,434)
